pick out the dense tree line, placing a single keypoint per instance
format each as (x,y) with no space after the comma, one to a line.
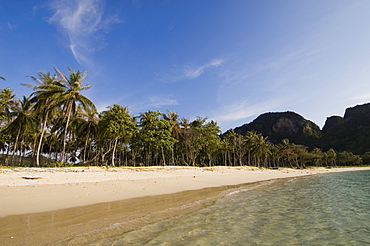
(57,125)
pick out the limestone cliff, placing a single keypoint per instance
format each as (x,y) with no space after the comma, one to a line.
(280,125)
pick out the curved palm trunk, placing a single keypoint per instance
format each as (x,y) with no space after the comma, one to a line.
(114,150)
(69,112)
(16,145)
(41,138)
(85,149)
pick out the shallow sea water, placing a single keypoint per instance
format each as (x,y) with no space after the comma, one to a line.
(329,209)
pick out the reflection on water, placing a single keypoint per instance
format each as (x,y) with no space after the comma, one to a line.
(330,209)
(80,225)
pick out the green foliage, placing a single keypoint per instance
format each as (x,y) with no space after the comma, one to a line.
(58,126)
(280,125)
(366,158)
(154,136)
(117,123)
(7,104)
(348,159)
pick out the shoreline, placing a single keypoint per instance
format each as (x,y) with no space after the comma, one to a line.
(34,190)
(63,207)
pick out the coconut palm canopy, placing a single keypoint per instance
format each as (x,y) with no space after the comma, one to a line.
(58,125)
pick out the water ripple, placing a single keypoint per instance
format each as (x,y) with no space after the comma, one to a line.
(330,209)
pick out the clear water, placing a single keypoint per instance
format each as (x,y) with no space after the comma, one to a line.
(330,209)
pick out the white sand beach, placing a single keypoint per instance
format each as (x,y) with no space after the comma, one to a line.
(79,205)
(32,190)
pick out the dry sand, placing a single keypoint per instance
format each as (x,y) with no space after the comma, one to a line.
(59,206)
(31,190)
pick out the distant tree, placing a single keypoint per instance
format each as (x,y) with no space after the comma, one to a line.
(317,157)
(260,149)
(155,136)
(237,146)
(330,157)
(286,153)
(366,158)
(87,132)
(116,125)
(175,129)
(193,140)
(212,142)
(346,158)
(249,139)
(23,125)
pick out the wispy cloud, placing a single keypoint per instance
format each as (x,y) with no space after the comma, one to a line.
(82,21)
(192,72)
(244,110)
(159,102)
(187,72)
(11,26)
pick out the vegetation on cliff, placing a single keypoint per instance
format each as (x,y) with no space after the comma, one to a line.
(285,125)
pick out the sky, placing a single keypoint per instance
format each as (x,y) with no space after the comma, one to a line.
(227,60)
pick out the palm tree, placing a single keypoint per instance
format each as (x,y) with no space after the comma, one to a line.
(23,124)
(331,156)
(260,148)
(250,137)
(155,136)
(212,142)
(7,103)
(87,130)
(175,130)
(68,95)
(193,139)
(286,152)
(42,97)
(232,139)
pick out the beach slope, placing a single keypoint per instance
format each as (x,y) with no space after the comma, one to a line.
(32,190)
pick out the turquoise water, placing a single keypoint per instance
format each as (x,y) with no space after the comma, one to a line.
(329,209)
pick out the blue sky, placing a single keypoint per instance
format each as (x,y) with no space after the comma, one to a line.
(226,60)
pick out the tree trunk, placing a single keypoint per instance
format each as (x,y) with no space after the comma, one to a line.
(114,151)
(16,145)
(69,109)
(41,138)
(164,158)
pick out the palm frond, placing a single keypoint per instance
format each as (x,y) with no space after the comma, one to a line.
(62,76)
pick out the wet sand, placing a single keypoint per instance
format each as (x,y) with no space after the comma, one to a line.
(62,205)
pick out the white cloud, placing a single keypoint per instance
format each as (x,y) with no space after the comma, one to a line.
(180,73)
(82,22)
(159,102)
(244,110)
(191,72)
(235,114)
